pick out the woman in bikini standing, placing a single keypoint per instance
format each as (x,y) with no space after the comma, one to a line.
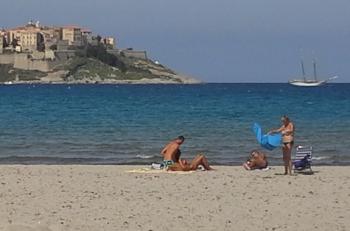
(287,131)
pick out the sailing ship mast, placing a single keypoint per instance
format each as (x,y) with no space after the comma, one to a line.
(315,73)
(303,69)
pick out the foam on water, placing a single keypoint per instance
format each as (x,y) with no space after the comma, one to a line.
(321,157)
(146,156)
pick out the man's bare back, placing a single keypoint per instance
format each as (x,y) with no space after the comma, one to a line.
(172,150)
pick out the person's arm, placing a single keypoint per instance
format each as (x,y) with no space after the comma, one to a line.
(276,130)
(246,165)
(164,150)
(252,164)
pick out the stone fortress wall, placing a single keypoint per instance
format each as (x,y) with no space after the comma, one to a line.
(39,61)
(22,61)
(129,53)
(7,58)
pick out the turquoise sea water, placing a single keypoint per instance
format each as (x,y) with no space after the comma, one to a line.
(129,124)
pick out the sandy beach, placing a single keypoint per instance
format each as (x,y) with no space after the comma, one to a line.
(82,197)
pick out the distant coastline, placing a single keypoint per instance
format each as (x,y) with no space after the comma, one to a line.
(71,54)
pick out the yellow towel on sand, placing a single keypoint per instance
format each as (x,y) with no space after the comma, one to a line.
(150,170)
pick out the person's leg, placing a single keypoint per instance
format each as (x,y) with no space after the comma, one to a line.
(289,158)
(285,158)
(200,160)
(205,163)
(174,167)
(196,162)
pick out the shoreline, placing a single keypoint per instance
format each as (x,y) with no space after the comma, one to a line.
(151,83)
(104,197)
(102,83)
(148,165)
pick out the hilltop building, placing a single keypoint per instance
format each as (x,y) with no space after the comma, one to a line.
(31,40)
(73,35)
(37,47)
(109,42)
(35,37)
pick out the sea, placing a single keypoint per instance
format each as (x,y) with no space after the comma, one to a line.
(130,124)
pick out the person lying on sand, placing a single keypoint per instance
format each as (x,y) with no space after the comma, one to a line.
(183,165)
(257,160)
(171,152)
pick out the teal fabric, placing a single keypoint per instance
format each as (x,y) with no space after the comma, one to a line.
(269,142)
(168,163)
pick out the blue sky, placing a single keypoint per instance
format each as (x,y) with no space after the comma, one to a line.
(216,41)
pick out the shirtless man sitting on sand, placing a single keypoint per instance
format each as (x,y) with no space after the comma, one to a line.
(171,152)
(257,160)
(171,155)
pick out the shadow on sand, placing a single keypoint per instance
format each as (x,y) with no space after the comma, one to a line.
(295,173)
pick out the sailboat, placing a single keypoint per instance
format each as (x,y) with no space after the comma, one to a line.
(309,82)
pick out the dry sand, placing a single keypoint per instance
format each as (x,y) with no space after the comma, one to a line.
(50,198)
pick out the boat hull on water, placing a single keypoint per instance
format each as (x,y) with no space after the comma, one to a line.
(307,83)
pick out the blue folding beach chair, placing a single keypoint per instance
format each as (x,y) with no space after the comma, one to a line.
(303,159)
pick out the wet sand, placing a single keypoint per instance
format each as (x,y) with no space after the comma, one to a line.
(81,197)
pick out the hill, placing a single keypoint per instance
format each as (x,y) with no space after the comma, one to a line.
(94,64)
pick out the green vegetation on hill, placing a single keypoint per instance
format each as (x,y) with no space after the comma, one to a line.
(89,68)
(80,68)
(93,64)
(8,73)
(99,52)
